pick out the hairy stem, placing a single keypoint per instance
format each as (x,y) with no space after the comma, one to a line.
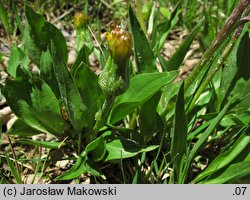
(221,36)
(221,60)
(102,116)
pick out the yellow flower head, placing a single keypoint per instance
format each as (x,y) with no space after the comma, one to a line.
(80,19)
(120,43)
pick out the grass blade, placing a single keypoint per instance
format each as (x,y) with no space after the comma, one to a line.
(234,171)
(178,146)
(4,18)
(50,145)
(176,60)
(148,117)
(13,170)
(144,56)
(226,157)
(166,27)
(205,135)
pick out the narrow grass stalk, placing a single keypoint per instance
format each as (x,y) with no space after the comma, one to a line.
(220,38)
(43,167)
(38,166)
(79,149)
(204,137)
(220,62)
(123,173)
(211,74)
(15,158)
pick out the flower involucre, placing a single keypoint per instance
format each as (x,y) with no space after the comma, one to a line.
(80,19)
(120,44)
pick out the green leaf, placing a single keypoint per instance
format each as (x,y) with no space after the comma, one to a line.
(148,117)
(234,68)
(1,57)
(237,118)
(144,55)
(17,15)
(39,34)
(163,29)
(13,170)
(75,171)
(86,82)
(168,94)
(226,157)
(232,172)
(82,57)
(35,39)
(243,58)
(242,92)
(176,60)
(120,148)
(142,87)
(206,133)
(17,57)
(4,18)
(35,104)
(22,129)
(47,72)
(198,130)
(92,168)
(58,40)
(71,97)
(82,165)
(50,144)
(30,47)
(96,149)
(228,77)
(179,139)
(243,117)
(36,22)
(1,132)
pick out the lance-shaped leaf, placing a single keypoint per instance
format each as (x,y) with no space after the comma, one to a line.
(39,34)
(144,55)
(47,72)
(141,88)
(120,148)
(232,172)
(50,145)
(87,84)
(226,157)
(17,57)
(176,60)
(71,97)
(35,104)
(179,139)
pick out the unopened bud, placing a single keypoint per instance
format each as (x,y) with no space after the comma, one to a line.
(80,19)
(120,44)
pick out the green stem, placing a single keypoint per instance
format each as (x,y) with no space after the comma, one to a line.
(220,38)
(211,74)
(103,115)
(79,145)
(220,62)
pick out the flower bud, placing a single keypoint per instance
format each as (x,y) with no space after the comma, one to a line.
(80,19)
(114,79)
(120,44)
